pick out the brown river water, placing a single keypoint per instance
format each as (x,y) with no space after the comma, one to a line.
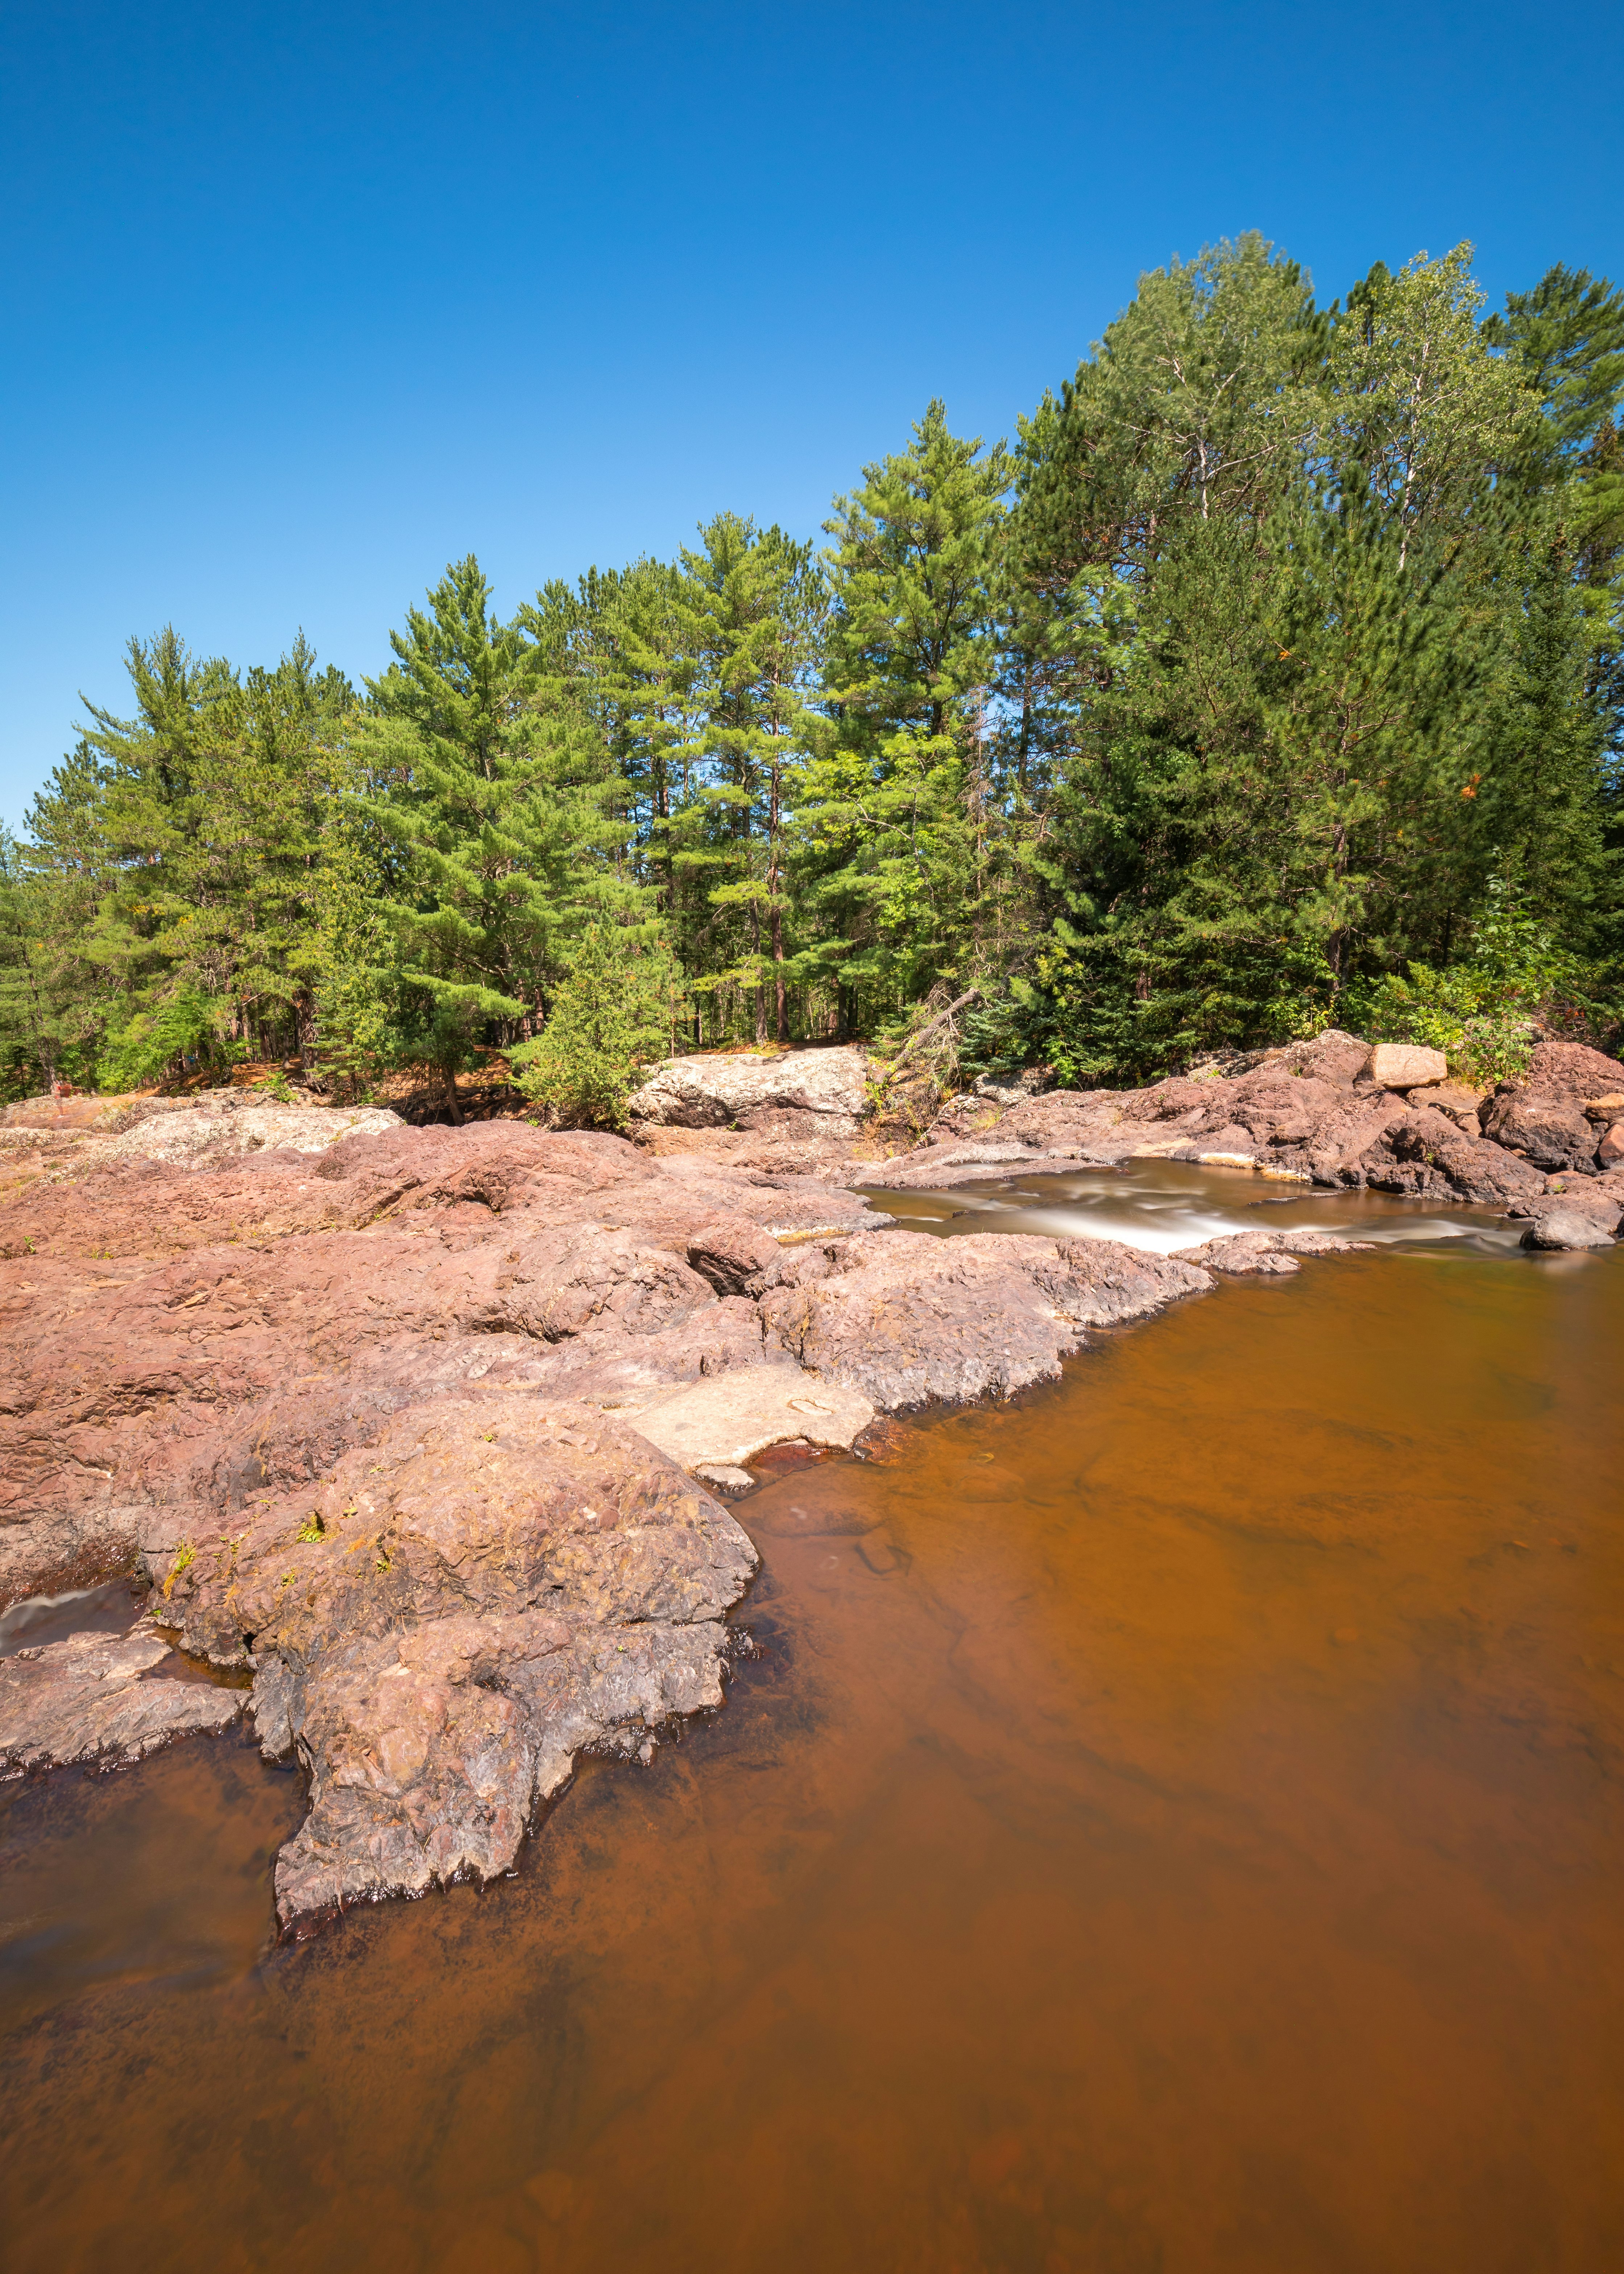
(1172,1824)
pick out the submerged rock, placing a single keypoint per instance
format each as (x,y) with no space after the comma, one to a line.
(96,1698)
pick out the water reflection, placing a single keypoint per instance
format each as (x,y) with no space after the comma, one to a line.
(111,1609)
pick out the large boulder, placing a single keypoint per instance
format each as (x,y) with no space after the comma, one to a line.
(1405,1066)
(1559,1229)
(717,1090)
(1543,1115)
(1550,1129)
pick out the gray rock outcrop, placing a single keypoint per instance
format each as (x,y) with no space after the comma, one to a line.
(442,1623)
(752,1088)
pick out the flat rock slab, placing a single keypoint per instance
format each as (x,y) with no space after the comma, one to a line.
(1243,1255)
(725,1422)
(90,1698)
(909,1318)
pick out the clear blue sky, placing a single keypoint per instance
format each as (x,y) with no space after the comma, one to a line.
(302,302)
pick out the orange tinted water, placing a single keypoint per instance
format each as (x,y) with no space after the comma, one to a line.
(1174,1825)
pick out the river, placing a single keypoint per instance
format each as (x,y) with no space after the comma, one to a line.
(1172,1823)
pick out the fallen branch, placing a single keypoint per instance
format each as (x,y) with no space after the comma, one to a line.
(940,1020)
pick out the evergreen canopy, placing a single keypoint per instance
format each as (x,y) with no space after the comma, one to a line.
(1274,674)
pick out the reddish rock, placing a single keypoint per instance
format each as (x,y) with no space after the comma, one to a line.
(907,1318)
(443,1622)
(100,1697)
(1306,1111)
(1251,1254)
(1548,1126)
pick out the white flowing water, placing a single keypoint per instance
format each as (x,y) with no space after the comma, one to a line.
(1163,1206)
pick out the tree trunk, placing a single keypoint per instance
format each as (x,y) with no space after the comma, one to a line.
(760,992)
(305,1021)
(448,1074)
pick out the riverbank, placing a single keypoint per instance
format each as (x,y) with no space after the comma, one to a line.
(433,1430)
(1170,1819)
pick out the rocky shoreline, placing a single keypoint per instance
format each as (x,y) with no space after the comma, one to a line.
(432,1431)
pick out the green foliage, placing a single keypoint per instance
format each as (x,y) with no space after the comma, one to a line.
(615,1011)
(180,1024)
(1482,1012)
(1222,707)
(901,820)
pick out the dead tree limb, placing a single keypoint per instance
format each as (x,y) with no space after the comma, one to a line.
(940,1020)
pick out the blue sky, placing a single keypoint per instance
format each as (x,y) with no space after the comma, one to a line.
(301,303)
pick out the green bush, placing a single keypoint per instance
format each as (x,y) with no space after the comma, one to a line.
(612,1017)
(146,1045)
(1483,1013)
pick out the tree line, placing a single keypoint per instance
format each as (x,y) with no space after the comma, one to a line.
(1274,675)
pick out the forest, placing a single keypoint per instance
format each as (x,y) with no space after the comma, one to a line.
(1271,677)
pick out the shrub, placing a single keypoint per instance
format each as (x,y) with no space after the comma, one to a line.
(1483,1013)
(612,1016)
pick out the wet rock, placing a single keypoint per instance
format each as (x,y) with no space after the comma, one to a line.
(1405,1066)
(715,1089)
(910,1318)
(1308,1111)
(442,1623)
(1250,1254)
(93,1698)
(733,1482)
(1564,1228)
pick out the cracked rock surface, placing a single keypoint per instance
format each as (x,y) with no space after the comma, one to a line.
(177,1337)
(441,1625)
(415,1426)
(94,1697)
